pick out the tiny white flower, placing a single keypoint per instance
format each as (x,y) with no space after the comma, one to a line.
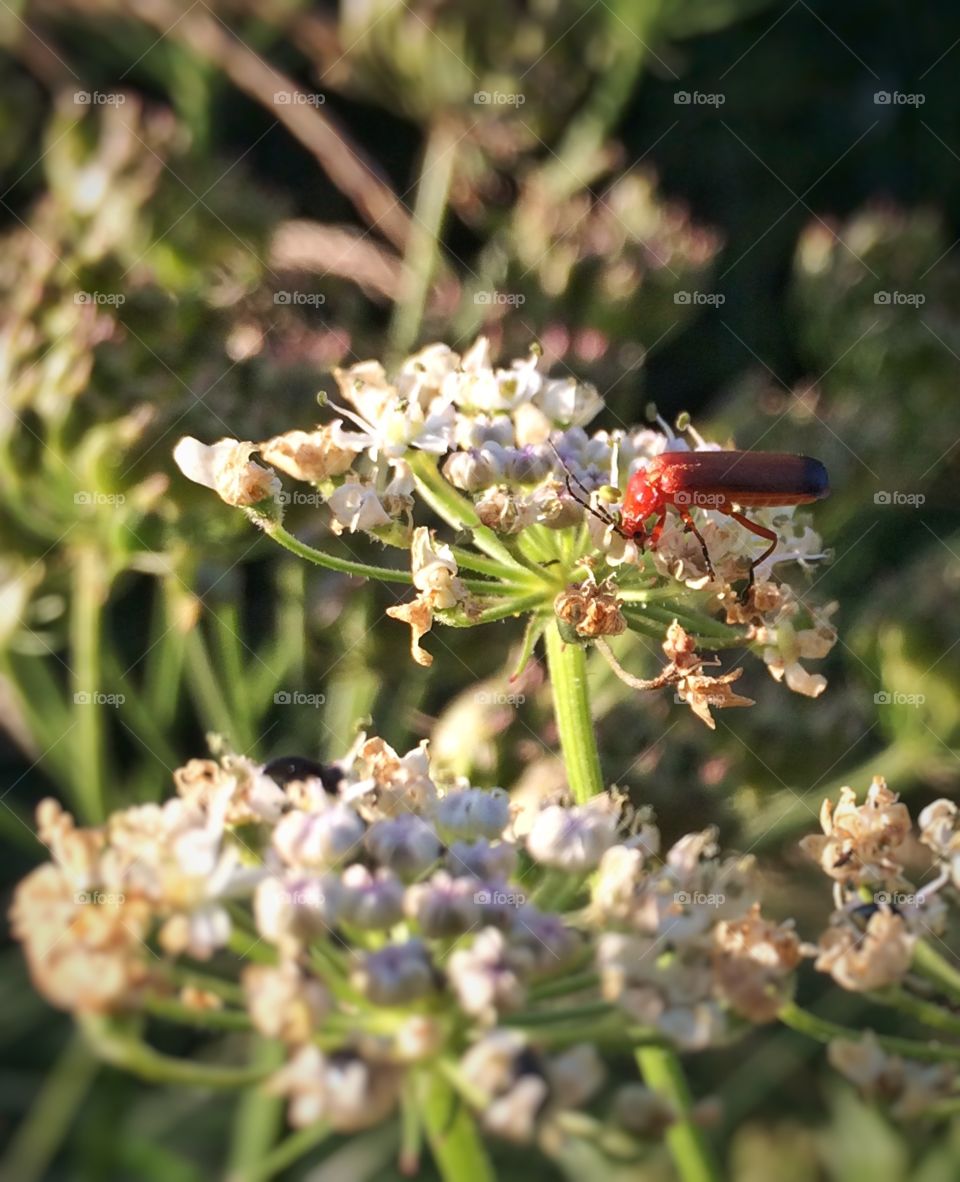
(318,840)
(568,402)
(356,506)
(574,839)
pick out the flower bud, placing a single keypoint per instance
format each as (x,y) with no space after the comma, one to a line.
(372,901)
(405,844)
(395,975)
(473,812)
(318,840)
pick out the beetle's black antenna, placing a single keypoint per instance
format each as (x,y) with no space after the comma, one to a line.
(596,510)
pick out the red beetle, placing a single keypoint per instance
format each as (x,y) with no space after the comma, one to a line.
(726,481)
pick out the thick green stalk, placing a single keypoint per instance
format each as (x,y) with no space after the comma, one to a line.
(660,1065)
(571,706)
(456,1145)
(663,1074)
(423,241)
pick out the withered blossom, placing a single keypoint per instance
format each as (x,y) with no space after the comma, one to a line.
(311,456)
(226,468)
(862,844)
(870,958)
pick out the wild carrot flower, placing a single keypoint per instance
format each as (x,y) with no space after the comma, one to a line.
(530,498)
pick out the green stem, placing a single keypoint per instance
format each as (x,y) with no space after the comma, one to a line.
(660,1065)
(423,241)
(38,1137)
(285,1154)
(926,1012)
(86,644)
(663,1074)
(171,1010)
(935,967)
(513,606)
(576,982)
(468,560)
(569,1014)
(459,513)
(123,1049)
(571,705)
(456,1145)
(824,1031)
(207,691)
(283,538)
(257,1118)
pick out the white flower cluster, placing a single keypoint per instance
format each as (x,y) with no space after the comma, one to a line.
(510,436)
(368,888)
(508,449)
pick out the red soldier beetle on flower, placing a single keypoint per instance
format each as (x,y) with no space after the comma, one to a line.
(725,481)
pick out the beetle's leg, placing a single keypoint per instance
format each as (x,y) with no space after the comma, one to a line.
(692,526)
(657,530)
(762,532)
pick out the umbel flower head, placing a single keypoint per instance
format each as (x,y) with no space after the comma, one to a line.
(397,922)
(508,505)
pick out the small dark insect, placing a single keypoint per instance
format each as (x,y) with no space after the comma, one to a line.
(286,768)
(862,914)
(726,481)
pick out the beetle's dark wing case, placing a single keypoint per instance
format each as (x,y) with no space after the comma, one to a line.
(733,472)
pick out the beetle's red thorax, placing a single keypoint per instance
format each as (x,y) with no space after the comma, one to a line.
(643,497)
